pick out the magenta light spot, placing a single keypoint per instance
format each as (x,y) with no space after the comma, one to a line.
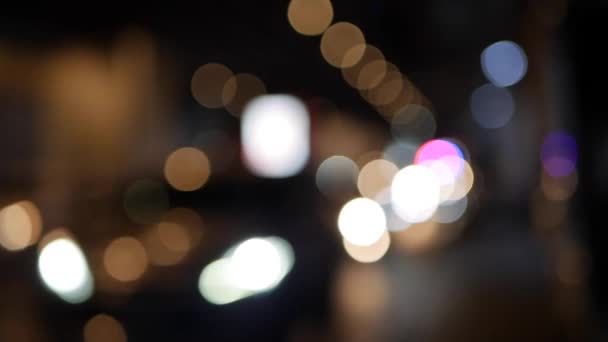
(559,154)
(444,151)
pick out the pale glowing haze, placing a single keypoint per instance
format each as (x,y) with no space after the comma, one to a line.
(187,169)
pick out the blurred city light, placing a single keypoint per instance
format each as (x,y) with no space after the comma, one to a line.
(445,176)
(559,154)
(491,106)
(207,85)
(253,266)
(20,225)
(504,63)
(375,178)
(169,242)
(337,176)
(353,74)
(371,253)
(371,74)
(415,193)
(463,183)
(388,87)
(187,169)
(275,132)
(217,286)
(239,90)
(65,271)
(408,96)
(362,222)
(189,220)
(343,45)
(310,17)
(104,328)
(442,150)
(174,237)
(256,265)
(125,259)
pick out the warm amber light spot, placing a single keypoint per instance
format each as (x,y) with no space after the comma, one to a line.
(387,90)
(343,45)
(20,225)
(208,82)
(239,90)
(375,178)
(371,54)
(104,328)
(371,253)
(169,242)
(187,169)
(125,259)
(310,17)
(174,237)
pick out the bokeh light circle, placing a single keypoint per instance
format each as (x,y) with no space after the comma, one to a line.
(343,45)
(187,169)
(256,264)
(504,63)
(352,74)
(491,106)
(371,253)
(463,183)
(559,154)
(125,259)
(376,177)
(337,176)
(104,328)
(310,17)
(63,268)
(239,90)
(415,193)
(444,151)
(275,133)
(362,221)
(20,225)
(208,82)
